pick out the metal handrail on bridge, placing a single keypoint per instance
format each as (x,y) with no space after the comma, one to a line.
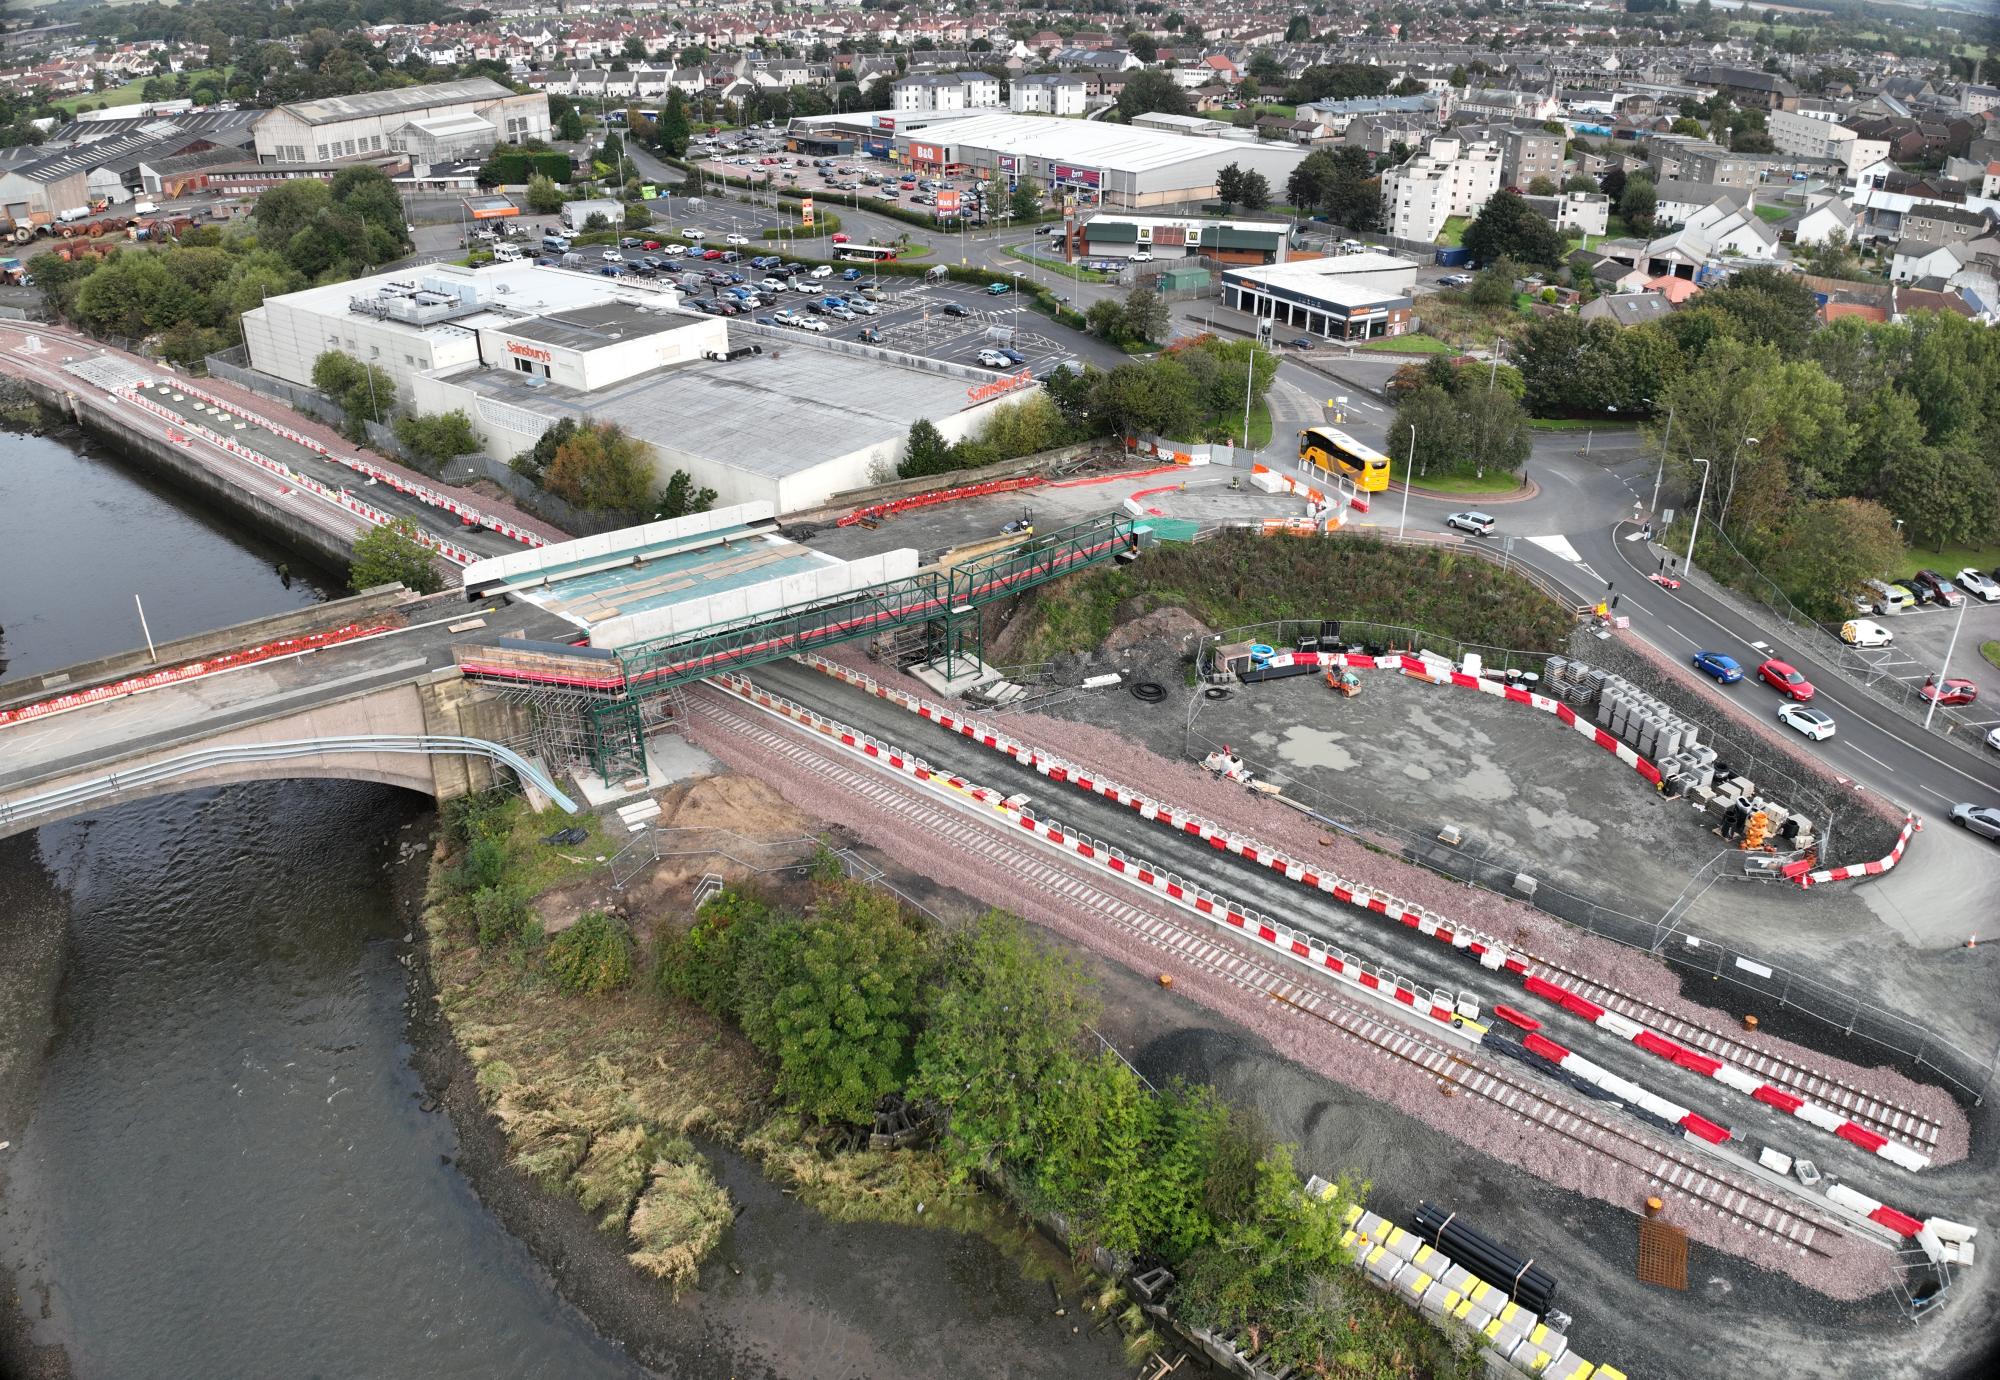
(427,745)
(663,663)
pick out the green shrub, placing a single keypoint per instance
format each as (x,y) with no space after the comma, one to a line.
(591,957)
(500,915)
(482,867)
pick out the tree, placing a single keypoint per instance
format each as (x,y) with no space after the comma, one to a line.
(1026,199)
(1638,204)
(1149,91)
(1612,184)
(679,497)
(545,198)
(1581,182)
(1253,192)
(362,391)
(1540,185)
(1493,285)
(1009,1011)
(1299,30)
(1829,548)
(1145,315)
(674,131)
(1768,306)
(600,467)
(1155,398)
(1945,497)
(926,451)
(386,555)
(1229,185)
(1508,228)
(1106,320)
(843,1012)
(437,437)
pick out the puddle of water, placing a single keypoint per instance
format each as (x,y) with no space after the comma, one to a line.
(1313,747)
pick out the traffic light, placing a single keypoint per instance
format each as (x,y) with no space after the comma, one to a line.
(1754,831)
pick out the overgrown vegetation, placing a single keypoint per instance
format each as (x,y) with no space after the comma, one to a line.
(433,438)
(384,555)
(1193,390)
(1237,579)
(597,466)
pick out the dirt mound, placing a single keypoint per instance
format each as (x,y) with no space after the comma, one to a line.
(740,804)
(1169,627)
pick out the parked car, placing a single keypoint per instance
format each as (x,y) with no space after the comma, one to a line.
(841,314)
(862,305)
(1887,598)
(869,334)
(1455,280)
(1303,342)
(993,359)
(736,239)
(1816,724)
(1983,820)
(850,275)
(650,244)
(1142,256)
(957,309)
(997,289)
(1934,588)
(767,320)
(1478,524)
(1723,668)
(1981,587)
(711,255)
(1014,357)
(807,323)
(822,272)
(1860,632)
(1783,678)
(1957,690)
(612,256)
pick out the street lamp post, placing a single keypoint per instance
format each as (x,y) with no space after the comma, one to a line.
(1665,441)
(1408,467)
(1695,526)
(1937,686)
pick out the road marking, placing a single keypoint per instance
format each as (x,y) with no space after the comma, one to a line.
(1678,633)
(1559,547)
(1872,757)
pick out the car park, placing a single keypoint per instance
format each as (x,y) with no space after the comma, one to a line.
(1478,524)
(1880,597)
(1013,357)
(772,285)
(1983,820)
(841,314)
(1723,668)
(1785,679)
(1815,724)
(1957,690)
(1860,632)
(822,271)
(1980,586)
(1933,588)
(862,305)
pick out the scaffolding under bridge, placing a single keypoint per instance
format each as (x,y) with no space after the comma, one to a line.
(596,705)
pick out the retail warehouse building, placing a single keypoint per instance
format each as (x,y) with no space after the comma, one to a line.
(1115,166)
(758,414)
(434,123)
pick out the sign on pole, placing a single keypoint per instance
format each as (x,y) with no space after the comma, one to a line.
(806,212)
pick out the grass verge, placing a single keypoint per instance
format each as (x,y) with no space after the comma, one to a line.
(1991,651)
(1407,345)
(1236,580)
(1947,562)
(1081,275)
(1493,482)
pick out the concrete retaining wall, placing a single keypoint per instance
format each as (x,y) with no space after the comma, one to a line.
(167,462)
(333,614)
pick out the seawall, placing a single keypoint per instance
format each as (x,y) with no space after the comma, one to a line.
(167,462)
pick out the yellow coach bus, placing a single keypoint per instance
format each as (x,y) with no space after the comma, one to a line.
(1338,453)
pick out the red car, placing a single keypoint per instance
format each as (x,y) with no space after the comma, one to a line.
(840,239)
(650,244)
(711,254)
(1786,681)
(1957,690)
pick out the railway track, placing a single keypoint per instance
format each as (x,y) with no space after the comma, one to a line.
(1876,1113)
(1758,1210)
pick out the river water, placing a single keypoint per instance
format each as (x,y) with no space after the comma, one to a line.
(218,1159)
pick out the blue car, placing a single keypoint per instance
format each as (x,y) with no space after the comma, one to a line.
(1723,668)
(996,289)
(849,275)
(1013,356)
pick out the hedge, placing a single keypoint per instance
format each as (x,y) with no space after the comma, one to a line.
(514,169)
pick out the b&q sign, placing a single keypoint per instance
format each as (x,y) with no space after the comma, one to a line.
(1007,383)
(806,211)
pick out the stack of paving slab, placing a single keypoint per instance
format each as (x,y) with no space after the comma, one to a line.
(639,814)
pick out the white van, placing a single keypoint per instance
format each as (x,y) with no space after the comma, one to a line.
(1888,598)
(145,208)
(506,253)
(1860,632)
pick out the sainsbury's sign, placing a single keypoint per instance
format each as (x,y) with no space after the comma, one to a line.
(983,392)
(515,347)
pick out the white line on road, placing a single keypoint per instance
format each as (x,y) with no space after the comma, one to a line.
(1871,757)
(1678,633)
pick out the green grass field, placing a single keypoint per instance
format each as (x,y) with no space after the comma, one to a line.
(1453,234)
(130,92)
(1492,484)
(1408,345)
(1578,424)
(1947,562)
(1774,214)
(1991,651)
(1081,275)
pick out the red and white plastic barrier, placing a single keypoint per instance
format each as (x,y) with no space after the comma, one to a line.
(1878,1212)
(1626,1091)
(1729,1075)
(423,493)
(890,507)
(1440,1010)
(191,670)
(1911,825)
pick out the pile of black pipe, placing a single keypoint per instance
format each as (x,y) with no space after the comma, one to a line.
(1525,1282)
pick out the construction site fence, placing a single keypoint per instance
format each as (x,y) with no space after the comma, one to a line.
(1761,988)
(232,365)
(1870,669)
(1286,634)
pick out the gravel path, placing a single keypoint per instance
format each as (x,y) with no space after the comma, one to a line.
(1635,973)
(1855,1269)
